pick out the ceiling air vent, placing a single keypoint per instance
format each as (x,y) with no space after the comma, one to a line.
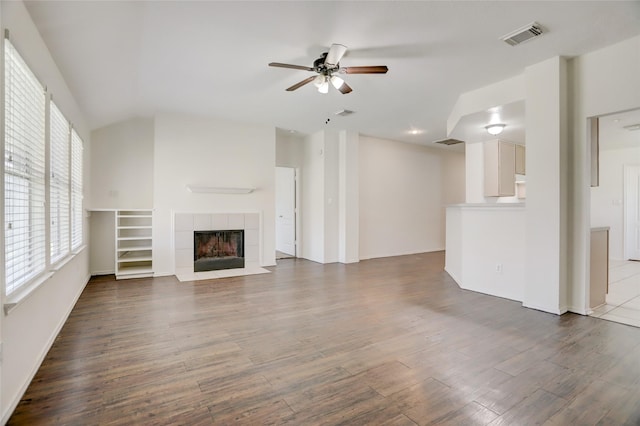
(522,34)
(343,112)
(633,127)
(449,142)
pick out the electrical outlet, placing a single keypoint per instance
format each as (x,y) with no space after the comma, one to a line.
(499,268)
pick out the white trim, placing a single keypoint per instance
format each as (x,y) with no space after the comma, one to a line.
(15,299)
(218,190)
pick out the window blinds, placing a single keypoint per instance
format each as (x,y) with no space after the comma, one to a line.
(59,206)
(76,190)
(24,179)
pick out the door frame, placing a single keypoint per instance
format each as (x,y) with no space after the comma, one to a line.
(630,170)
(296,210)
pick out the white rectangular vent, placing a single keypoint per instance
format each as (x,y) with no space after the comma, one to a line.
(449,142)
(343,112)
(523,34)
(633,127)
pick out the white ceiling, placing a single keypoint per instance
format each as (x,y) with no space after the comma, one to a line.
(134,58)
(613,135)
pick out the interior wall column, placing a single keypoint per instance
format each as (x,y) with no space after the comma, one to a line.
(547,177)
(348,197)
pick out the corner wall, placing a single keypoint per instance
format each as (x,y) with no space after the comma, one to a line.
(122,165)
(404,190)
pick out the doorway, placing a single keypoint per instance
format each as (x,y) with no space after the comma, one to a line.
(615,204)
(286,213)
(632,210)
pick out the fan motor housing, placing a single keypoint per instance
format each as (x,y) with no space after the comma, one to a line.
(321,67)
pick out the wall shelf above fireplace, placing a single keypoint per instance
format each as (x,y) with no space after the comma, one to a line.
(218,190)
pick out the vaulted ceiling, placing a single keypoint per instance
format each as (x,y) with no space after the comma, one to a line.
(134,58)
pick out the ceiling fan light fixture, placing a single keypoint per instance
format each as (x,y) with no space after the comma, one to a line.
(324,87)
(319,80)
(495,129)
(337,82)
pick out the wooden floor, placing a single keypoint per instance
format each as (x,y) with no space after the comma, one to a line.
(390,341)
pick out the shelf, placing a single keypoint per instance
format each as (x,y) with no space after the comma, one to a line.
(134,238)
(134,272)
(134,243)
(141,248)
(135,256)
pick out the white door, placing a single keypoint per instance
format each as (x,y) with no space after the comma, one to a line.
(285,210)
(632,212)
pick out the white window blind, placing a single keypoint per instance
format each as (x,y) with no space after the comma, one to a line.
(76,190)
(59,206)
(24,178)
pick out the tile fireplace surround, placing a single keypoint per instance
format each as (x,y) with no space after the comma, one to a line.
(186,223)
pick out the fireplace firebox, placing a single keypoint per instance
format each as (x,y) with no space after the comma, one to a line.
(215,250)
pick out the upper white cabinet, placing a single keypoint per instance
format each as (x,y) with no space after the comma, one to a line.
(520,160)
(499,168)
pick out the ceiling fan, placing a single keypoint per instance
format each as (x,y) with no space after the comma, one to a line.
(327,65)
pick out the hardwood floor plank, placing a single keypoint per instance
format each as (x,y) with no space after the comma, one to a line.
(533,410)
(390,341)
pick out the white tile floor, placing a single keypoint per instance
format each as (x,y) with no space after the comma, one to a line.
(623,300)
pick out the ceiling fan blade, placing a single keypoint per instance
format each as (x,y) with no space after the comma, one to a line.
(295,67)
(336,52)
(345,88)
(300,84)
(376,69)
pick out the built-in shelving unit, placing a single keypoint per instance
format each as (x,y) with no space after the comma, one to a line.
(133,244)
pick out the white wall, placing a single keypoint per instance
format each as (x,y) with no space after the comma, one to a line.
(331,196)
(603,81)
(102,250)
(486,248)
(121,178)
(122,165)
(28,331)
(607,207)
(403,192)
(349,230)
(204,151)
(289,149)
(546,196)
(312,194)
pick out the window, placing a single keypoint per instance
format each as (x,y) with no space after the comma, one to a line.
(24,178)
(76,190)
(59,183)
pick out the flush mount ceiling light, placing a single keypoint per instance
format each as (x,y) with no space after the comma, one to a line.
(495,129)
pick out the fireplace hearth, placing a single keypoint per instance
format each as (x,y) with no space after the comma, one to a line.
(216,250)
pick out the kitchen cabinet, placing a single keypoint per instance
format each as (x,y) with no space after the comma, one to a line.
(499,168)
(520,160)
(599,266)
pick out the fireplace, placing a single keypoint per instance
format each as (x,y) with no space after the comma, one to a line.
(215,250)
